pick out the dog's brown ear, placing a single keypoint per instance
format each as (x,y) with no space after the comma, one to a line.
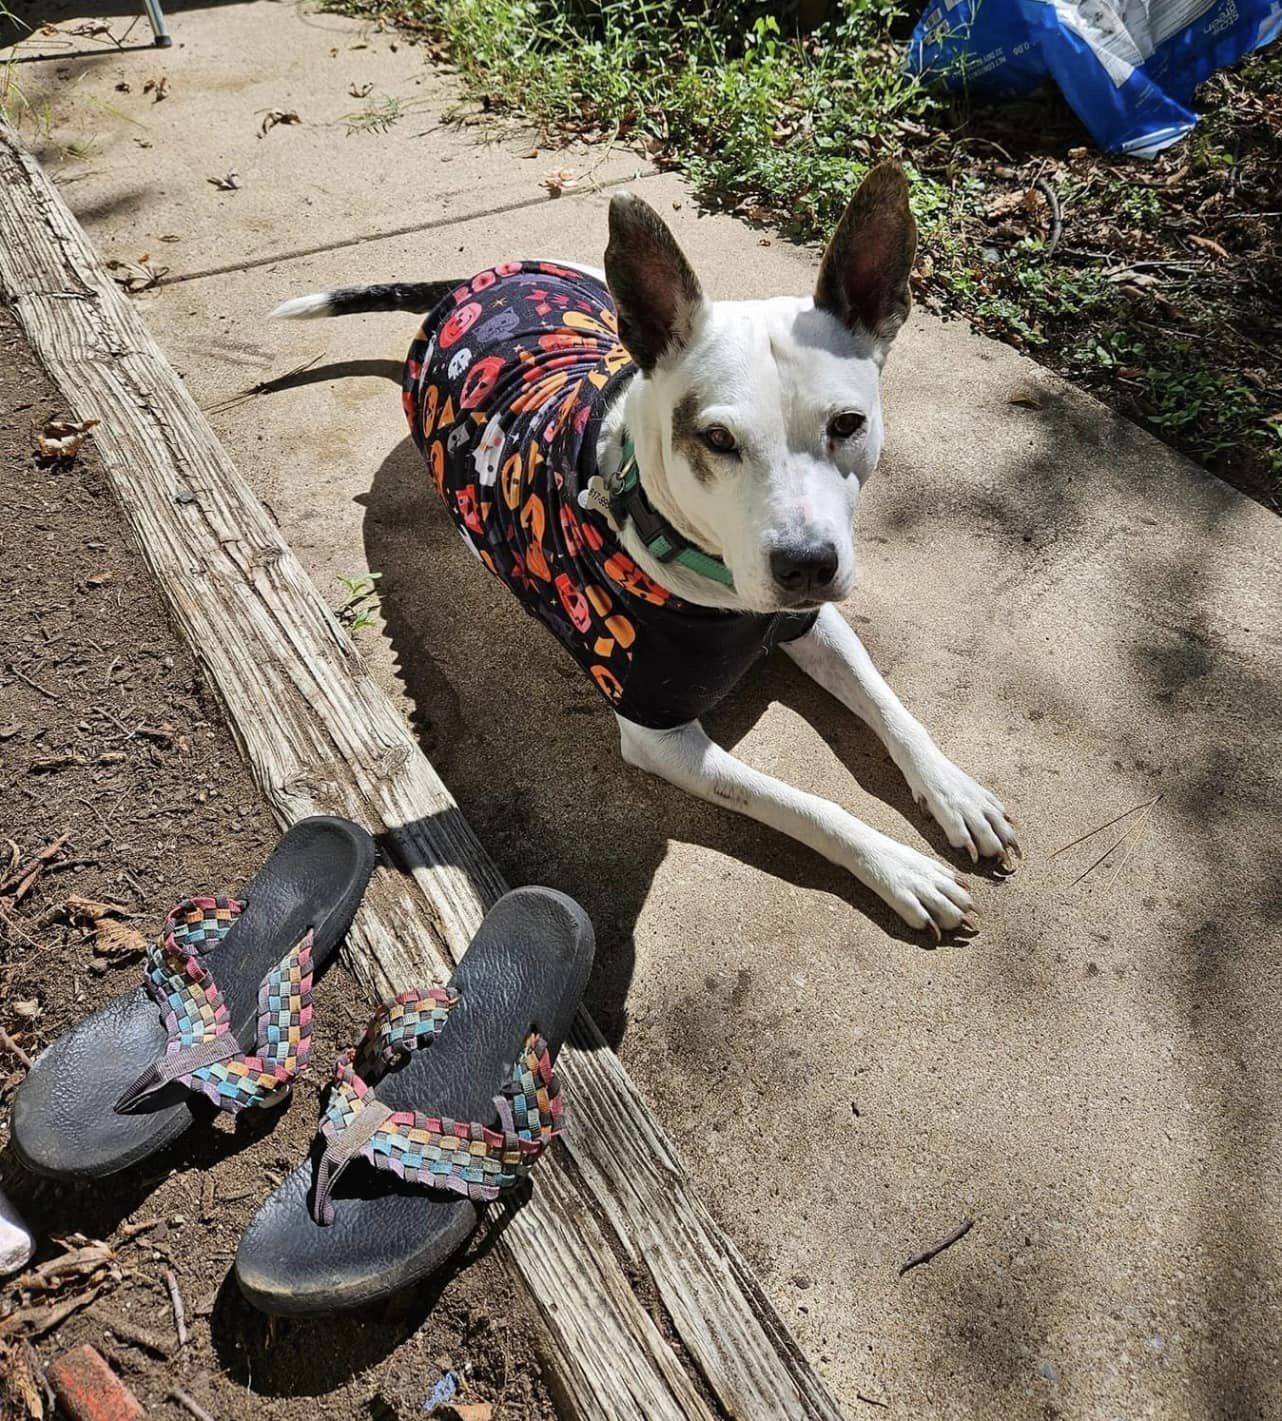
(864,277)
(655,289)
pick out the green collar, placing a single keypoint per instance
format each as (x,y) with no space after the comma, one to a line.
(661,539)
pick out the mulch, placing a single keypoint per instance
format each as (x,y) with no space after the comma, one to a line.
(121,791)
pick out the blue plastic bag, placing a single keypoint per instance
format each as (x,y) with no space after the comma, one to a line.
(1128,67)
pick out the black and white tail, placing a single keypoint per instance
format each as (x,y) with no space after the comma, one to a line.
(417,296)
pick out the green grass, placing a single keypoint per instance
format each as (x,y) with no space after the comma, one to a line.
(782,127)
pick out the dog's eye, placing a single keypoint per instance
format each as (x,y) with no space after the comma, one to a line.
(719,439)
(845,426)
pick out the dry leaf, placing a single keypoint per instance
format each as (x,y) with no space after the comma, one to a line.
(158,88)
(81,1260)
(559,181)
(15,1366)
(1207,245)
(530,153)
(62,438)
(229,182)
(99,579)
(136,276)
(118,940)
(89,911)
(275,116)
(35,1321)
(1026,399)
(26,1010)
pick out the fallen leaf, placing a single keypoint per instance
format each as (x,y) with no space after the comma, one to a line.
(36,1321)
(100,579)
(90,911)
(77,1263)
(530,153)
(275,116)
(118,940)
(559,181)
(136,276)
(62,438)
(15,1365)
(1206,244)
(158,88)
(26,1010)
(1026,399)
(229,182)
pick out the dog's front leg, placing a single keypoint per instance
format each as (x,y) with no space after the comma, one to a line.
(925,893)
(971,817)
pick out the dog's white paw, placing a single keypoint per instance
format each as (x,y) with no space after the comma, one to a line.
(971,817)
(924,892)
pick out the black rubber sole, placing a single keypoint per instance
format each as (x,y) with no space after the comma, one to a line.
(526,969)
(64,1121)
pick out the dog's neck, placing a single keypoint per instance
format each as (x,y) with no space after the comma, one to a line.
(628,411)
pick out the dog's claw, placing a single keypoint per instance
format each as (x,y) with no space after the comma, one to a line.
(934,930)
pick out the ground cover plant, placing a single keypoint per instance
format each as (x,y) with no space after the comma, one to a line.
(1156,285)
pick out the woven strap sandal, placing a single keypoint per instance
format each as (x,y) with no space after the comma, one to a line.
(392,1191)
(203,1053)
(223,1017)
(468,1158)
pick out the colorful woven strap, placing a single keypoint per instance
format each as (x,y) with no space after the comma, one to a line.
(468,1158)
(203,1054)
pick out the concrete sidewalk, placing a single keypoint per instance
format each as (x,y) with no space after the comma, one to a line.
(1084,619)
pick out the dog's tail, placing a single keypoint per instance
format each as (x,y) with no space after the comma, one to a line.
(418,296)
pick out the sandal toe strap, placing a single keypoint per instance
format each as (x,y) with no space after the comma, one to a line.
(202,1053)
(465,1157)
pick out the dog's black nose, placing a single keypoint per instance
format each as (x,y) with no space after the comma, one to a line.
(805,569)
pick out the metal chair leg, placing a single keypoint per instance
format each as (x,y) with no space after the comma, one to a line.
(157,17)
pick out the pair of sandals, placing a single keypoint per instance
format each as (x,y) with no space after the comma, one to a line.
(224,1016)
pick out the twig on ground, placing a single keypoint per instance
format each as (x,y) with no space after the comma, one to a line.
(126,1331)
(176,1299)
(128,1231)
(190,1405)
(11,1047)
(1099,828)
(935,1249)
(22,880)
(1131,829)
(1057,222)
(35,686)
(871,1400)
(264,387)
(1136,831)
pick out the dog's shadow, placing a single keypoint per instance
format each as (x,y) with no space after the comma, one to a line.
(530,751)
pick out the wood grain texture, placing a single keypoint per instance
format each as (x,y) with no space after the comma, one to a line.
(322,738)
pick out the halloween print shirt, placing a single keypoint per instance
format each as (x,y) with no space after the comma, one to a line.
(505,387)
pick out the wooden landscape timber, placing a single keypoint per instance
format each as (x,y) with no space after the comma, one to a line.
(322,738)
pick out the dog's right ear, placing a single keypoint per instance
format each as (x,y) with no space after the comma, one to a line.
(655,290)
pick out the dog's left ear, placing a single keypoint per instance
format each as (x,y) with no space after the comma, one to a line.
(863,280)
(655,290)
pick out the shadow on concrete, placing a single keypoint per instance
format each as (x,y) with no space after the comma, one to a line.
(1205,968)
(21,21)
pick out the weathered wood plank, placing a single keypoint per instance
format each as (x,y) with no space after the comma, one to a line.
(321,737)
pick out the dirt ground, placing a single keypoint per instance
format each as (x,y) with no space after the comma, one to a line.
(112,750)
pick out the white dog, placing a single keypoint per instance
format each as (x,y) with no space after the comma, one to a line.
(675,500)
